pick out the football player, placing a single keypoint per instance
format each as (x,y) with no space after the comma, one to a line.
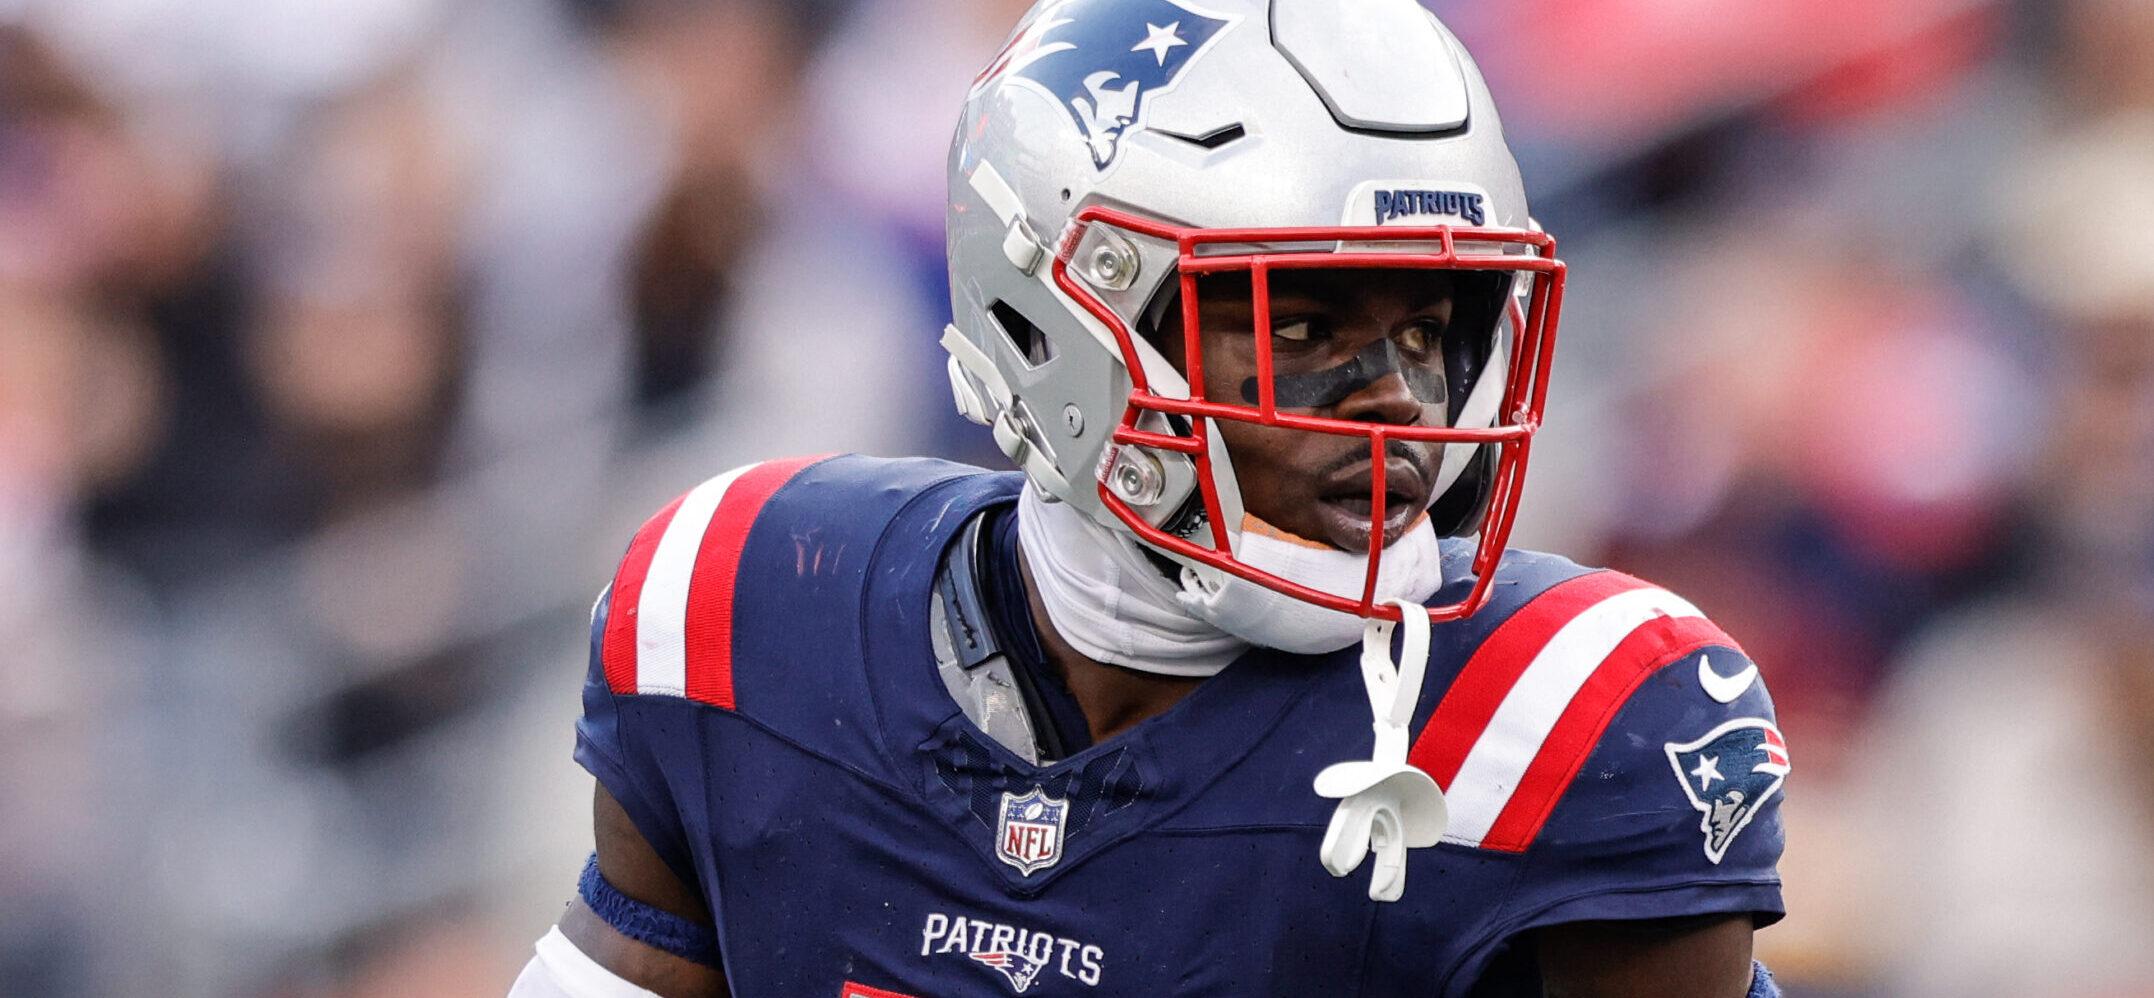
(1235,688)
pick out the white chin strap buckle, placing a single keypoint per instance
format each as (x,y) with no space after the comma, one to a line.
(1385,806)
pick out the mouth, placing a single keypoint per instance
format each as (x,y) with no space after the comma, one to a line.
(1344,506)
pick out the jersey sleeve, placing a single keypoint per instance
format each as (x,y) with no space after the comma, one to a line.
(1675,811)
(661,657)
(1624,749)
(614,743)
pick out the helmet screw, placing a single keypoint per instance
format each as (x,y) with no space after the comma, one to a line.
(1108,265)
(1107,259)
(1138,478)
(1112,268)
(1073,418)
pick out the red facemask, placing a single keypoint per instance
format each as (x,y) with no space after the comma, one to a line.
(1247,251)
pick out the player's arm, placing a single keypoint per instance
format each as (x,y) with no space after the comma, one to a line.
(638,925)
(632,868)
(633,931)
(1705,957)
(1625,747)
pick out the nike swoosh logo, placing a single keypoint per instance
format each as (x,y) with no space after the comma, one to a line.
(1724,688)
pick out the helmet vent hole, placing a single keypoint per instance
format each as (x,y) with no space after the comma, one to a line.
(1027,339)
(1214,139)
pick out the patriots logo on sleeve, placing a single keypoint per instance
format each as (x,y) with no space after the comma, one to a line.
(1103,66)
(1729,775)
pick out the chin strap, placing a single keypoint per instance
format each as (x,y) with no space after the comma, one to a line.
(1385,805)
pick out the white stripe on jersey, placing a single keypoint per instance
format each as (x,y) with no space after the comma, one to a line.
(662,612)
(1499,758)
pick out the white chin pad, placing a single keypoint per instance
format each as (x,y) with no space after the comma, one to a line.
(1412,570)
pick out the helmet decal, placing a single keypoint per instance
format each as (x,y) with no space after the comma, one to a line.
(1394,205)
(1102,59)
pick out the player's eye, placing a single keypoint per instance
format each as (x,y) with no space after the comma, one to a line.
(1297,331)
(1420,336)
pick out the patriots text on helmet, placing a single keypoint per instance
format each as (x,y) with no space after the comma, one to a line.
(1393,205)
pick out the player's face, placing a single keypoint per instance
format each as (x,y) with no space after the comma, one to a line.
(1361,345)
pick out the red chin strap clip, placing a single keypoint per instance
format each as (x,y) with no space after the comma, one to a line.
(1525,394)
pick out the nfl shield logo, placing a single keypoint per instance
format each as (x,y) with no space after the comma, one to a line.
(1029,834)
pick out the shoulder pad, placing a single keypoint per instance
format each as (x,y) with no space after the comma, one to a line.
(753,565)
(669,626)
(1538,692)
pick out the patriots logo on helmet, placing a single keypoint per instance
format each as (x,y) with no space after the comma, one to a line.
(1021,969)
(1729,775)
(1102,59)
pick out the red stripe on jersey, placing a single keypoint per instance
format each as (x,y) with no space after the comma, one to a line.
(851,990)
(1495,667)
(619,648)
(1579,728)
(710,587)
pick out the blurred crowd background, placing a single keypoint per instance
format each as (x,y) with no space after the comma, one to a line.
(342,346)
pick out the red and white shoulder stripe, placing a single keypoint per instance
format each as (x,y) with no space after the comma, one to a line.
(669,627)
(1528,709)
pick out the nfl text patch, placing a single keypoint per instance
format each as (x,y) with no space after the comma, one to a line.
(1028,833)
(1728,775)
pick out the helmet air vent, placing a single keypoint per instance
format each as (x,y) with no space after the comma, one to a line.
(1027,339)
(1214,139)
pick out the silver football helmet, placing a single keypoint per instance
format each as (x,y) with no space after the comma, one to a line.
(1116,150)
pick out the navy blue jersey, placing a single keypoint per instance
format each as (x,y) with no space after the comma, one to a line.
(764,702)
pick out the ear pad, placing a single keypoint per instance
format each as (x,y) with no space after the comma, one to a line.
(1463,507)
(1474,333)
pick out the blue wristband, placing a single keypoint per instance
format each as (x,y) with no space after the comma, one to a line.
(660,930)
